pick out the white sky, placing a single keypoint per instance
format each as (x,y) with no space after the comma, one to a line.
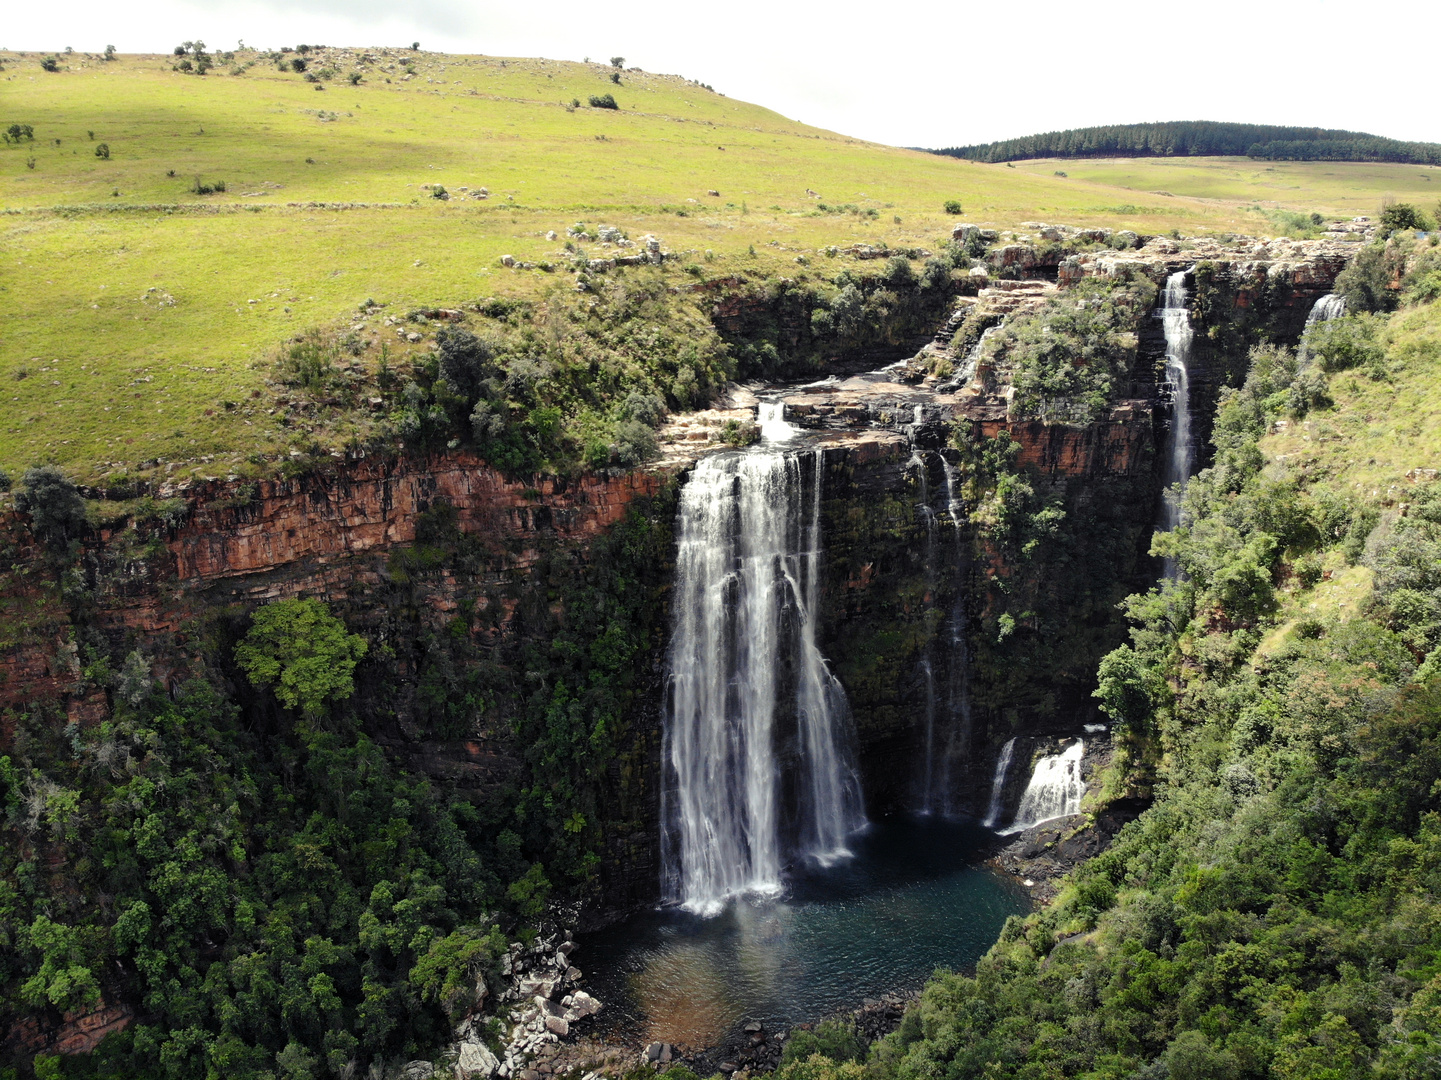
(906,72)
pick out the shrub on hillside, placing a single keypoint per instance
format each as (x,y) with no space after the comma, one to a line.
(898,273)
(953,206)
(102,151)
(1365,284)
(18,133)
(603,101)
(634,443)
(4,481)
(1401,216)
(50,63)
(836,1039)
(1350,342)
(57,512)
(467,361)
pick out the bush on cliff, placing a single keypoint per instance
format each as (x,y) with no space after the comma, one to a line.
(57,512)
(1071,359)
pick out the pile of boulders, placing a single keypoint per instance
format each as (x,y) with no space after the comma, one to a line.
(540,1001)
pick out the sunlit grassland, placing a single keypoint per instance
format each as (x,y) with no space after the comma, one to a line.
(234,274)
(1378,429)
(1340,188)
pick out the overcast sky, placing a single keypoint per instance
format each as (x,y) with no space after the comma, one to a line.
(907,72)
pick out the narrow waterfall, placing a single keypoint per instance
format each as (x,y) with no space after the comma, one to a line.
(973,358)
(743,648)
(1176,322)
(1326,307)
(998,785)
(928,672)
(945,667)
(1055,789)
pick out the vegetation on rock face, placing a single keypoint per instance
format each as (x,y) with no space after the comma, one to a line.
(1069,361)
(1275,913)
(300,651)
(266,886)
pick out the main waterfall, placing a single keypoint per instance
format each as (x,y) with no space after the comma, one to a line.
(743,649)
(1176,323)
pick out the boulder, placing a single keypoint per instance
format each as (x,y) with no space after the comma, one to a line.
(652,1051)
(507,260)
(557,1025)
(475,1060)
(417,1070)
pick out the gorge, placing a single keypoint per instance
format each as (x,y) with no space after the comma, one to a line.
(703,678)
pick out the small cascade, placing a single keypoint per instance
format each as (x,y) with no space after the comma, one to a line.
(973,358)
(998,785)
(743,649)
(1325,308)
(771,418)
(1176,322)
(1055,789)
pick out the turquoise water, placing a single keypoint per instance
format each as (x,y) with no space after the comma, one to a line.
(914,898)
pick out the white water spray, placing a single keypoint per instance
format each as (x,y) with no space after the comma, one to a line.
(1324,309)
(771,416)
(1176,323)
(998,785)
(1055,789)
(747,573)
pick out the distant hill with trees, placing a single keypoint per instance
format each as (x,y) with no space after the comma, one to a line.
(1204,138)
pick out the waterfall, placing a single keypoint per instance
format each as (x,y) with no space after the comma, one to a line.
(1055,789)
(743,641)
(946,658)
(771,416)
(1176,322)
(1326,307)
(928,515)
(973,358)
(998,785)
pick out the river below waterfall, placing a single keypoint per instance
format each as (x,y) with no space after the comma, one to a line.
(914,897)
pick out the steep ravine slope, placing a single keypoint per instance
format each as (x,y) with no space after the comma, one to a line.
(516,631)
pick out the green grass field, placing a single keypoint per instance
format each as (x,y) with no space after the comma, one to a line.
(131,307)
(1339,188)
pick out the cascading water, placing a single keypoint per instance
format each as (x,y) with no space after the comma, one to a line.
(1176,323)
(998,785)
(1055,789)
(1325,308)
(747,575)
(948,723)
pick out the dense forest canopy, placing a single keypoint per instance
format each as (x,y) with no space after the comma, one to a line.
(1203,138)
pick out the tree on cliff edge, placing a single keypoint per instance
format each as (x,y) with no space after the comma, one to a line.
(301,651)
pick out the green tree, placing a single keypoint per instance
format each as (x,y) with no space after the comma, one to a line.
(57,512)
(302,652)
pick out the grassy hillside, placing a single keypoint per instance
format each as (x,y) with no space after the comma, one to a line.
(1341,188)
(135,307)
